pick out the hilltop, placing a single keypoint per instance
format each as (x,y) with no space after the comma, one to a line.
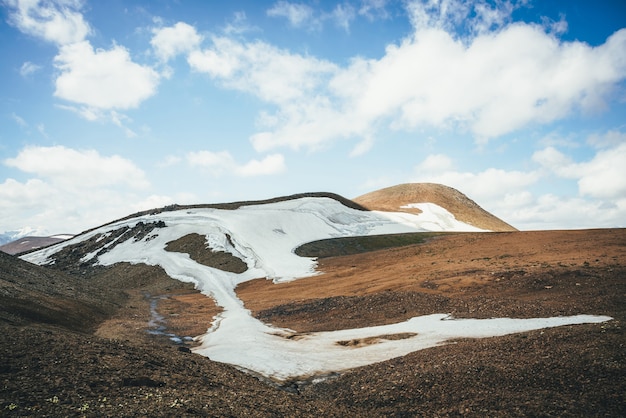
(400,198)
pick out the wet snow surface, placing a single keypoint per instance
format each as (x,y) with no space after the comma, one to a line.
(265,237)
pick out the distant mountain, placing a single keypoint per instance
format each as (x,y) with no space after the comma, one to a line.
(8,236)
(403,197)
(29,243)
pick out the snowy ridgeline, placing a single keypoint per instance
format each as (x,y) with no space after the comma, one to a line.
(265,237)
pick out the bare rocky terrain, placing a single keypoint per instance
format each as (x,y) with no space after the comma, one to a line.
(95,341)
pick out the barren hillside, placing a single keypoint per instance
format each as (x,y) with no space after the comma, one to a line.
(392,199)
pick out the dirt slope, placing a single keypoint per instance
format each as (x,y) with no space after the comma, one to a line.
(463,208)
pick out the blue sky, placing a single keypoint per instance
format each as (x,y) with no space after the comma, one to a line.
(112,107)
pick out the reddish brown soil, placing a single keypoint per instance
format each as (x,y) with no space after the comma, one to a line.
(518,274)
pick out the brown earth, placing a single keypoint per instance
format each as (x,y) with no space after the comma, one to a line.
(117,368)
(464,209)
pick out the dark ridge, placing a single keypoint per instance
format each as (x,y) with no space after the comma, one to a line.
(195,245)
(333,247)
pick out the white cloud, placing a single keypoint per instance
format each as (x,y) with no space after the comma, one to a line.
(608,139)
(102,79)
(297,14)
(342,15)
(169,161)
(373,9)
(57,21)
(223,163)
(65,209)
(23,196)
(497,84)
(28,68)
(435,163)
(70,168)
(239,25)
(272,164)
(474,17)
(603,176)
(171,41)
(499,78)
(270,73)
(41,128)
(72,190)
(554,212)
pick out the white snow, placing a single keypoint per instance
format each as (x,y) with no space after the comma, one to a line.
(432,218)
(265,237)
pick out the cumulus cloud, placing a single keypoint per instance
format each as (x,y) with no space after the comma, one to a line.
(494,79)
(56,21)
(223,163)
(102,79)
(549,211)
(72,190)
(171,41)
(603,176)
(273,74)
(72,168)
(96,80)
(23,196)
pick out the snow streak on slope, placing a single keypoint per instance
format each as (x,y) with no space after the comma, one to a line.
(265,237)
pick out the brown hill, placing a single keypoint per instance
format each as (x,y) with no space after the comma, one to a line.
(464,209)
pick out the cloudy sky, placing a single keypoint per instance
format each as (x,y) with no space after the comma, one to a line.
(112,107)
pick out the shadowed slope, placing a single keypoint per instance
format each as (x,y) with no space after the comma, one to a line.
(32,294)
(391,199)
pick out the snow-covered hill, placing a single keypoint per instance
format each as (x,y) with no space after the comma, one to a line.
(264,237)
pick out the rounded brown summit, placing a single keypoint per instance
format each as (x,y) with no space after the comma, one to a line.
(464,209)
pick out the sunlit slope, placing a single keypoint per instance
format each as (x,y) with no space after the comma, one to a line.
(399,199)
